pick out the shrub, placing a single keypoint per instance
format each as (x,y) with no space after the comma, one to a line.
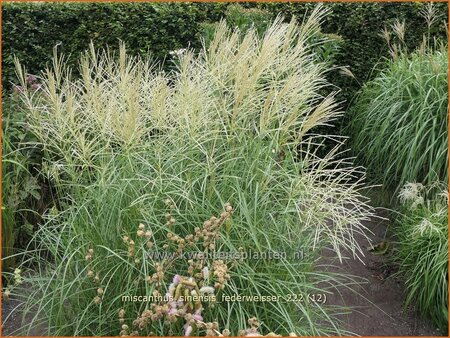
(399,121)
(21,194)
(141,160)
(422,232)
(362,47)
(31,30)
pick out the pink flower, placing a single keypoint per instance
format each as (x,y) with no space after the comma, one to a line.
(31,78)
(197,317)
(187,330)
(176,280)
(17,89)
(36,86)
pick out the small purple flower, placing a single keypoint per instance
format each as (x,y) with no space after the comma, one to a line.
(17,89)
(31,79)
(176,280)
(197,317)
(172,311)
(187,330)
(36,86)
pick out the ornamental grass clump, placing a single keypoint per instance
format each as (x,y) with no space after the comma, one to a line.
(422,255)
(165,181)
(399,120)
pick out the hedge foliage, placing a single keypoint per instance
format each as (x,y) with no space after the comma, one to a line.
(30,30)
(360,25)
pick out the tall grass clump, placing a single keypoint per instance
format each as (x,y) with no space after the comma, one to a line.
(167,184)
(422,255)
(399,120)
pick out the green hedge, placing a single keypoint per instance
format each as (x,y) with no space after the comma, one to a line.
(360,25)
(30,30)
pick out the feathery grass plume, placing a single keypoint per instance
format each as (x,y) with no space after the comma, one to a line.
(135,146)
(430,14)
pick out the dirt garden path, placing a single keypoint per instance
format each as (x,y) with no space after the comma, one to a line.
(376,308)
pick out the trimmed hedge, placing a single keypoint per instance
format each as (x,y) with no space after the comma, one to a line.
(360,25)
(30,30)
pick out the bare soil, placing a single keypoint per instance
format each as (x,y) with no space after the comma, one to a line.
(376,303)
(13,325)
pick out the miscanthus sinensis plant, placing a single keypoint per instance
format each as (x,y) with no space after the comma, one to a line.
(422,232)
(216,157)
(399,120)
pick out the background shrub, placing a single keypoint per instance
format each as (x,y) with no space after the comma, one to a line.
(359,25)
(22,193)
(30,30)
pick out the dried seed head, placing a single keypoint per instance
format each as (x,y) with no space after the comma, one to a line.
(6,294)
(141,226)
(97,300)
(100,291)
(253,322)
(205,272)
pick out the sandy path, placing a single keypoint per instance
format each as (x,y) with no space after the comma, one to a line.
(377,305)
